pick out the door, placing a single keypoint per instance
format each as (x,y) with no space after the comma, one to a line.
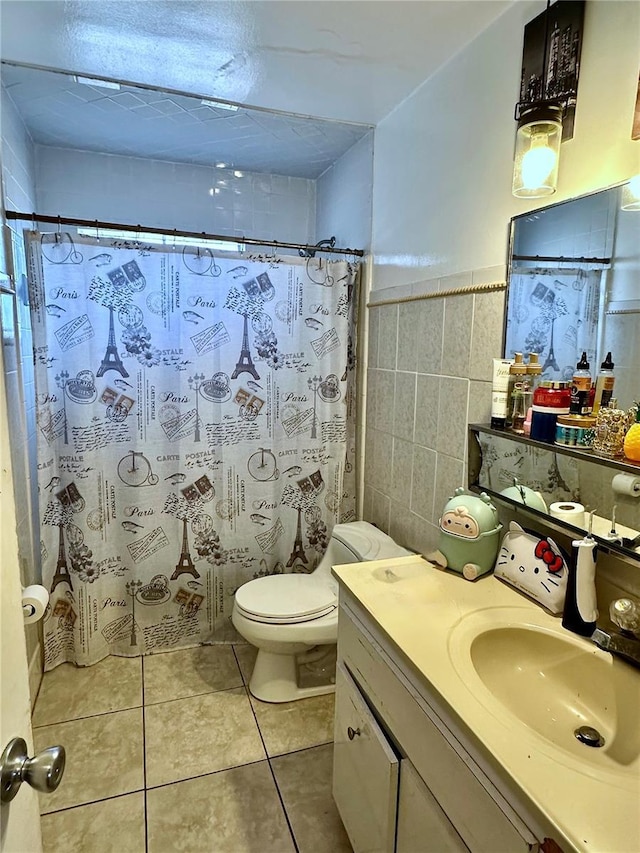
(365,772)
(19,819)
(422,825)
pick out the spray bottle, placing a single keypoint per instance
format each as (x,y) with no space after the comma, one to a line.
(580,606)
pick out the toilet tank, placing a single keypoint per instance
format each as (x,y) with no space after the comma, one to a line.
(356,542)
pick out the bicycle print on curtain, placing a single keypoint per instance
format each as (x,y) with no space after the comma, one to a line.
(196,429)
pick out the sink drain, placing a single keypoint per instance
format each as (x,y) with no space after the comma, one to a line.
(589,736)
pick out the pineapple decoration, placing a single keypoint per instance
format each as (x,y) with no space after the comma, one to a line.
(632,439)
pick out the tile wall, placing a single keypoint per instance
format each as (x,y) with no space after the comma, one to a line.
(429,375)
(168,195)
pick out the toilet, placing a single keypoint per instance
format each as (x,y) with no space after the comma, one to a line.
(288,616)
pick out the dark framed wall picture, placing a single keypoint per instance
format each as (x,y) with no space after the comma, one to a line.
(551,58)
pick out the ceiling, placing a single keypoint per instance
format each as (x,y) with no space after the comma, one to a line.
(137,122)
(350,60)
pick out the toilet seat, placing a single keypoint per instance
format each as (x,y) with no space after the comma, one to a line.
(285,599)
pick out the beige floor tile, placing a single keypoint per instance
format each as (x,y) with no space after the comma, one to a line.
(304,779)
(110,826)
(104,758)
(236,811)
(201,734)
(246,655)
(288,726)
(189,672)
(70,692)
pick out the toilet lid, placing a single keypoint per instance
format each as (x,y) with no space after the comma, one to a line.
(285,598)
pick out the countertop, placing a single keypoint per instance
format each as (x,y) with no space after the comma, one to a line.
(418,607)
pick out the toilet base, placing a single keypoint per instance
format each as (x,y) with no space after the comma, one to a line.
(274,679)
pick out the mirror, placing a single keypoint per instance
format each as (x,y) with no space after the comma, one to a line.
(546,475)
(574,286)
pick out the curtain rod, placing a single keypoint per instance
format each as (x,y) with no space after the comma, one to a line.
(250,241)
(561,259)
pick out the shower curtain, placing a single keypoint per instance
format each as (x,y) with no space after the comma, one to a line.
(196,429)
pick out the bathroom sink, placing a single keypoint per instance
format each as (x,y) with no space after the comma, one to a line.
(527,670)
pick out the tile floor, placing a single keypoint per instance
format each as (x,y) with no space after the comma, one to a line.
(171,753)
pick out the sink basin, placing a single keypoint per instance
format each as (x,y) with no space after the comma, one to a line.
(528,670)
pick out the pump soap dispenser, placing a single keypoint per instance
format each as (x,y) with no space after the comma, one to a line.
(580,606)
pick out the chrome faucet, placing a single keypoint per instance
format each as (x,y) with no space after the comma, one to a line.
(625,613)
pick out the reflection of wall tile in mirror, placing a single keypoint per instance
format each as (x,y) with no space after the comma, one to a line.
(404,405)
(430,320)
(388,337)
(449,476)
(427,402)
(400,486)
(486,340)
(423,484)
(452,416)
(407,336)
(458,318)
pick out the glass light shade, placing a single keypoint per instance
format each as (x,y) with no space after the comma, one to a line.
(535,171)
(631,194)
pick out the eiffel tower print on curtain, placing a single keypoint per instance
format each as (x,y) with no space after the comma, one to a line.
(245,363)
(111,359)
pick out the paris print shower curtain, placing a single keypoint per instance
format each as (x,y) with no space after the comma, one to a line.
(195,430)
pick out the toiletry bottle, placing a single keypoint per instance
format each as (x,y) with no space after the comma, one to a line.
(550,399)
(580,608)
(604,384)
(500,392)
(534,370)
(580,388)
(520,396)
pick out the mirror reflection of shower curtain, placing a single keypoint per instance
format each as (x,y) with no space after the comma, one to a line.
(196,429)
(554,312)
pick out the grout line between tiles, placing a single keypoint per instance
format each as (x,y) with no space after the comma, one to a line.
(92,802)
(144,760)
(203,775)
(273,775)
(86,717)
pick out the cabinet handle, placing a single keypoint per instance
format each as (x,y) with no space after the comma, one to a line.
(351,733)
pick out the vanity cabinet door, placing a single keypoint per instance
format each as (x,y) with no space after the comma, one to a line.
(365,772)
(422,825)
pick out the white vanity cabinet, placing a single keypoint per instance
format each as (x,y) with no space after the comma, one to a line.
(429,795)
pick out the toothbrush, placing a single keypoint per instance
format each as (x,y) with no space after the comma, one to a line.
(580,609)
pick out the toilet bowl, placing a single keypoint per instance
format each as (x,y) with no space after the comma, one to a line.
(289,618)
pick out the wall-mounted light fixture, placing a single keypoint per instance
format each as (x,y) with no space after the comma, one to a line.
(548,93)
(535,171)
(631,194)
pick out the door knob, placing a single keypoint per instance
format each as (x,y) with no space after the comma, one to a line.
(43,772)
(351,733)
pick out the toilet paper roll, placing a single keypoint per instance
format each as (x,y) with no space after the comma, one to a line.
(572,513)
(34,602)
(626,484)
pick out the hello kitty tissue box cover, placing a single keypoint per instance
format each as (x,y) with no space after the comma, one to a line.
(534,565)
